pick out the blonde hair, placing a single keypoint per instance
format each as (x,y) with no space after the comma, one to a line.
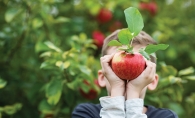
(142,38)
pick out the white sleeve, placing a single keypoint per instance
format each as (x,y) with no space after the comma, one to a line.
(134,108)
(112,107)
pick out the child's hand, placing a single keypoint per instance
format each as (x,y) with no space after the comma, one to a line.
(135,87)
(117,85)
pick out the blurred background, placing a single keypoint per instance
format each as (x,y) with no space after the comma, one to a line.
(50,50)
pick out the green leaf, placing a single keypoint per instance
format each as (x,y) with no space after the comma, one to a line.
(61,19)
(40,46)
(125,36)
(46,54)
(66,64)
(11,109)
(153,48)
(177,107)
(47,64)
(84,69)
(173,79)
(63,65)
(2,83)
(70,98)
(85,87)
(11,14)
(190,77)
(44,107)
(134,20)
(52,46)
(36,23)
(114,43)
(53,100)
(74,84)
(94,8)
(167,70)
(146,55)
(53,91)
(1,110)
(186,71)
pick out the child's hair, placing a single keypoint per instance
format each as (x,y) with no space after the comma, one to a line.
(141,39)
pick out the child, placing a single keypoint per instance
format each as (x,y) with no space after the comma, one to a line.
(125,98)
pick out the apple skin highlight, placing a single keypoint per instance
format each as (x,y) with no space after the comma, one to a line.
(128,66)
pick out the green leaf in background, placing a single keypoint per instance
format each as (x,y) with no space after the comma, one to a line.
(114,43)
(37,22)
(186,71)
(85,87)
(167,70)
(146,55)
(11,14)
(134,20)
(63,65)
(190,77)
(47,64)
(125,36)
(61,19)
(53,91)
(11,109)
(153,48)
(52,46)
(46,54)
(173,79)
(73,85)
(54,99)
(2,83)
(94,8)
(40,46)
(69,97)
(44,107)
(1,110)
(85,70)
(177,108)
(66,64)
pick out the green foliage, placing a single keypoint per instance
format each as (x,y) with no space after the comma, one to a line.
(68,69)
(47,52)
(171,89)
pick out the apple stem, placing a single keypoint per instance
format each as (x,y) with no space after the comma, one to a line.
(130,47)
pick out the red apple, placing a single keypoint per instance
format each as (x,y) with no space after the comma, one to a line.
(92,94)
(143,5)
(104,15)
(151,7)
(128,66)
(98,38)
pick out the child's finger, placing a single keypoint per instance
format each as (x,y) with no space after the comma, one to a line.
(150,70)
(105,63)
